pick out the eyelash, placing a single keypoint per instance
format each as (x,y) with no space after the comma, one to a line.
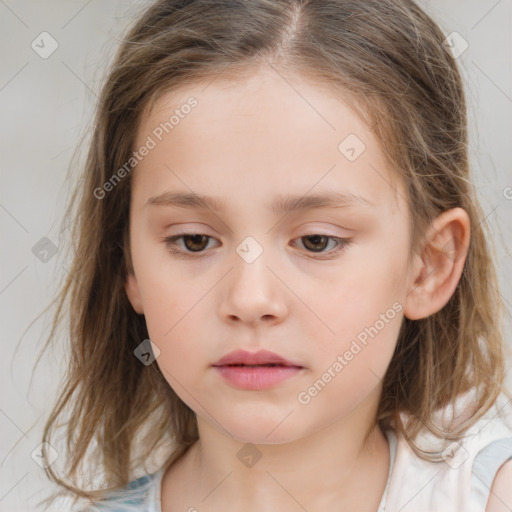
(170,242)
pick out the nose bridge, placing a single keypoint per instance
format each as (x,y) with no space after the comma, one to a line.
(251,265)
(250,249)
(253,291)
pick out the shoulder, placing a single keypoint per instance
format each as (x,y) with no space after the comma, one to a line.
(492,465)
(500,499)
(471,474)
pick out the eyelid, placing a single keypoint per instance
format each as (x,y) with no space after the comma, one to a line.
(341,244)
(171,240)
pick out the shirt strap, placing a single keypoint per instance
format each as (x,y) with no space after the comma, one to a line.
(485,466)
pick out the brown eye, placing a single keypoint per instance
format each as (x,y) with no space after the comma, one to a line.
(190,243)
(195,243)
(316,243)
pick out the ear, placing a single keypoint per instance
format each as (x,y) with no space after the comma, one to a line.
(132,291)
(437,269)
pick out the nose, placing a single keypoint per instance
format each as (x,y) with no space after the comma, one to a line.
(252,293)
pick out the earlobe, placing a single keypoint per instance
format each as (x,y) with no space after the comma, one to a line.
(437,271)
(133,293)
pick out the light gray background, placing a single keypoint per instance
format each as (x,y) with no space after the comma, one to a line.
(45,105)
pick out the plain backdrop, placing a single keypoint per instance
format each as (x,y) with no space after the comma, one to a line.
(46,102)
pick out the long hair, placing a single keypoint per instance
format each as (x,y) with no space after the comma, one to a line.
(386,58)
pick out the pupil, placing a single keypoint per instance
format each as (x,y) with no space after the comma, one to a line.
(196,240)
(316,240)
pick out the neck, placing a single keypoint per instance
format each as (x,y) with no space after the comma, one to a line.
(331,468)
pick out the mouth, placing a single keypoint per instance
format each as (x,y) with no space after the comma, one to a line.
(262,358)
(266,365)
(256,377)
(256,371)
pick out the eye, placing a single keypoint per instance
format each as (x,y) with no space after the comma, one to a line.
(194,243)
(317,242)
(197,243)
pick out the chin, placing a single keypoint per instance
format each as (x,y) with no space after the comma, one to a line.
(258,431)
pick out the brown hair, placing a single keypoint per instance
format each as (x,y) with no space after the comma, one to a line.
(384,57)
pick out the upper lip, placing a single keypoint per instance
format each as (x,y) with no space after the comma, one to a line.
(253,358)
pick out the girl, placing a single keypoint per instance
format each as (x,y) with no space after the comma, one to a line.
(283,297)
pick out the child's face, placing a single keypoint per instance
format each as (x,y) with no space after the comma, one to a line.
(336,315)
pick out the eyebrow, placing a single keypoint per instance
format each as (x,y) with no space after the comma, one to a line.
(281,205)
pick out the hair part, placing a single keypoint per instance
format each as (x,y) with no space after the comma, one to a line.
(386,60)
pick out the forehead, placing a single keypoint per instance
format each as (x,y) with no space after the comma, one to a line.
(264,134)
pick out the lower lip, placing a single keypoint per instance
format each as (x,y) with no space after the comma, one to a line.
(258,377)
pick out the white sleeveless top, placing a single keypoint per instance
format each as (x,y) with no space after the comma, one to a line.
(461,481)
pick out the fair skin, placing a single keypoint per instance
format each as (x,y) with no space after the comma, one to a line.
(500,498)
(246,143)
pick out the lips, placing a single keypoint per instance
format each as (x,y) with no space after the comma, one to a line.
(256,371)
(254,359)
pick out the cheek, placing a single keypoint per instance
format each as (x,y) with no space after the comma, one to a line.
(366,336)
(171,319)
(360,298)
(349,371)
(362,312)
(171,309)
